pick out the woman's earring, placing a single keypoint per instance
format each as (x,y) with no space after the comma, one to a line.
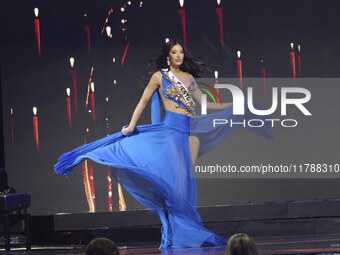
(168,61)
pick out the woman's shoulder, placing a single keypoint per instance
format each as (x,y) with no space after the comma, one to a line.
(190,76)
(192,80)
(156,74)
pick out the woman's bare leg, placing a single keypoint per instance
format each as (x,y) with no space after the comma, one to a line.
(194,146)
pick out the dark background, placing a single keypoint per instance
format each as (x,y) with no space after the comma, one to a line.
(262,30)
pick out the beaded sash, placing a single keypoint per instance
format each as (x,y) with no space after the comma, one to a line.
(175,90)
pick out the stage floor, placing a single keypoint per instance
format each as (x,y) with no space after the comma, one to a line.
(316,244)
(301,227)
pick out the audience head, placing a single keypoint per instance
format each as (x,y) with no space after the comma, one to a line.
(240,244)
(101,246)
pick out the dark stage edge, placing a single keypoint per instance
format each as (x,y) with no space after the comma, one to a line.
(267,219)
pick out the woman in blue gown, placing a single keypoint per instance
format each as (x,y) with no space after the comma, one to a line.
(154,162)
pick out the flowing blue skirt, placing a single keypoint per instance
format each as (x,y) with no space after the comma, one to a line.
(154,165)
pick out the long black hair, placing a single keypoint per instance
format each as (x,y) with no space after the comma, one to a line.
(190,64)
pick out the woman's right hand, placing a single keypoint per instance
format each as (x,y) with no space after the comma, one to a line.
(127,130)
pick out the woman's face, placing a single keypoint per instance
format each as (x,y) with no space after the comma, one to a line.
(176,55)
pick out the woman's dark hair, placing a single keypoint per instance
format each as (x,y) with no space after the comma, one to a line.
(240,244)
(101,246)
(190,64)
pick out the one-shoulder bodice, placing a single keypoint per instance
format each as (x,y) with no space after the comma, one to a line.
(173,89)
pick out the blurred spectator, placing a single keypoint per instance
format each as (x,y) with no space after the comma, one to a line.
(240,244)
(101,246)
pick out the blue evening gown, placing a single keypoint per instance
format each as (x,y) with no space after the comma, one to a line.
(154,165)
